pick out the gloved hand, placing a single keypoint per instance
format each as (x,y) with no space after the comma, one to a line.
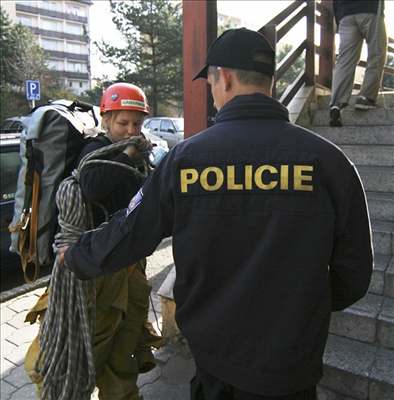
(139,148)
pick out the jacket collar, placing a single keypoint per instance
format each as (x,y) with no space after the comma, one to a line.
(250,106)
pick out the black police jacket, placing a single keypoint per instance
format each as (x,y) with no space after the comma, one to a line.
(270,234)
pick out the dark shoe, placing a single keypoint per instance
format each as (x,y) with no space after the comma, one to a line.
(335,116)
(363,103)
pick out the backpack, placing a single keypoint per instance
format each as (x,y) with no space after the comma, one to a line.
(50,145)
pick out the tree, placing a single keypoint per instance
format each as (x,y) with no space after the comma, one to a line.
(22,59)
(152,57)
(93,96)
(291,74)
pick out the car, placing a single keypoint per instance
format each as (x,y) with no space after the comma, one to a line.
(169,129)
(9,168)
(12,125)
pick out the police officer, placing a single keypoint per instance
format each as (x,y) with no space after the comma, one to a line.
(270,234)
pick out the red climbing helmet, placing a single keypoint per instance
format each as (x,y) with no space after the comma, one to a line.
(124,96)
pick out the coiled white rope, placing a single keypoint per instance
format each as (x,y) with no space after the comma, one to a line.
(66,357)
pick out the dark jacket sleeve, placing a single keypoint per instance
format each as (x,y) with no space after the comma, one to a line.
(352,258)
(131,234)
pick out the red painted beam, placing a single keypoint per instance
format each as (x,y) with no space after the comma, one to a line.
(199,31)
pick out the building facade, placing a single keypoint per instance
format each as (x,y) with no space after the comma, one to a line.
(62,30)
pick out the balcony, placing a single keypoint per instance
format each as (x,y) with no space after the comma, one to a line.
(64,54)
(50,13)
(59,35)
(69,74)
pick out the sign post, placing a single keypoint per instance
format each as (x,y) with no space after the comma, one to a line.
(33,91)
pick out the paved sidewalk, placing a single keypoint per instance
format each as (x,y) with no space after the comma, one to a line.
(168,381)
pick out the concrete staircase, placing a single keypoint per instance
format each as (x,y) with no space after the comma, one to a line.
(359,358)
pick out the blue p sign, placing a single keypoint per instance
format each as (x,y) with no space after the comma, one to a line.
(33,90)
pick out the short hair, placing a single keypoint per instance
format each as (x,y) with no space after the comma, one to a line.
(245,77)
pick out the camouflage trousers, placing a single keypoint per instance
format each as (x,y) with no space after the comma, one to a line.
(123,337)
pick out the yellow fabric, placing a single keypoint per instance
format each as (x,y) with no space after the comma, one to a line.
(122,339)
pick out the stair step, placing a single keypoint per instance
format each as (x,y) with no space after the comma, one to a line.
(370,155)
(382,237)
(381,205)
(384,100)
(358,321)
(385,327)
(370,320)
(382,377)
(377,179)
(351,117)
(358,370)
(389,280)
(377,135)
(379,274)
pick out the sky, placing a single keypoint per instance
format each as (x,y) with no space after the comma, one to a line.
(253,13)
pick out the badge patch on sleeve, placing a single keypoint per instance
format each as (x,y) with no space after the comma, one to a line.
(134,203)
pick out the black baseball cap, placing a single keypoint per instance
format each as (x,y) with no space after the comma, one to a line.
(241,49)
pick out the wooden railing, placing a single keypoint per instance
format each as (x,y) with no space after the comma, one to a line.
(274,32)
(200,30)
(315,12)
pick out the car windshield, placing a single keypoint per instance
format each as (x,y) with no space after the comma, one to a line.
(178,124)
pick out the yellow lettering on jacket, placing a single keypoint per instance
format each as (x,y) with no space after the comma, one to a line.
(231,185)
(219,178)
(300,178)
(283,177)
(258,177)
(248,177)
(188,177)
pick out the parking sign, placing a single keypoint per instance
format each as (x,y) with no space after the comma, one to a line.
(33,90)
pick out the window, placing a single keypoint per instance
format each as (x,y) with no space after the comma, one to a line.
(26,20)
(9,167)
(74,66)
(29,3)
(52,44)
(75,29)
(167,126)
(179,124)
(52,25)
(51,5)
(77,48)
(154,125)
(75,10)
(57,65)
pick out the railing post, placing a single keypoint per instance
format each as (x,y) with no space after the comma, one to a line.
(269,31)
(310,49)
(327,45)
(199,31)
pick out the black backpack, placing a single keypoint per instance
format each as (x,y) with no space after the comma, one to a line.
(50,146)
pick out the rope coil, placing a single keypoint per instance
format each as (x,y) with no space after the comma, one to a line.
(66,359)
